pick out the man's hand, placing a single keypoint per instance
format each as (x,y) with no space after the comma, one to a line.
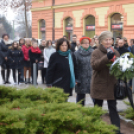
(28,59)
(5,58)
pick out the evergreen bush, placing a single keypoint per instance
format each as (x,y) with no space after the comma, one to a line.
(129,113)
(45,111)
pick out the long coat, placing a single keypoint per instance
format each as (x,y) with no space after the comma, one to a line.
(34,56)
(16,58)
(58,72)
(41,47)
(102,83)
(4,51)
(83,70)
(47,53)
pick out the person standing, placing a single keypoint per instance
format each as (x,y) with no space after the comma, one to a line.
(102,83)
(125,42)
(131,47)
(21,44)
(16,60)
(4,61)
(74,43)
(34,55)
(116,44)
(27,64)
(122,49)
(48,51)
(60,72)
(83,69)
(43,71)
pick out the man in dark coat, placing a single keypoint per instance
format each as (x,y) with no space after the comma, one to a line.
(122,49)
(74,43)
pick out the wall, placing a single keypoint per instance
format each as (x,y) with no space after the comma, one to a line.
(101,11)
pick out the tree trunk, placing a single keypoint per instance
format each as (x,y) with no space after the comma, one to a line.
(25,10)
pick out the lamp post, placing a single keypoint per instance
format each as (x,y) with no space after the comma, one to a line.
(13,30)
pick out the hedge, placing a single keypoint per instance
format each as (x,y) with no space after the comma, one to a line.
(46,111)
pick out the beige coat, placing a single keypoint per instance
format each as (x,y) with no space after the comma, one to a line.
(102,83)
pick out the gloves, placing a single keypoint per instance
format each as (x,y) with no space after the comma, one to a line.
(110,55)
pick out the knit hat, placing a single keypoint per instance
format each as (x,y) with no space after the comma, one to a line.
(85,38)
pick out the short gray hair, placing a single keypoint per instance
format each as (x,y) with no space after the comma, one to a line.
(104,35)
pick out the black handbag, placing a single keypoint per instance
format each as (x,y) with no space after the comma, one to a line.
(122,91)
(40,65)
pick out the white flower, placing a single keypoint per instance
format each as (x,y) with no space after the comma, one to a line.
(121,61)
(130,62)
(128,65)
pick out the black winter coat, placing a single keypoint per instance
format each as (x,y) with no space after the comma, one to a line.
(58,72)
(16,58)
(3,52)
(83,70)
(42,52)
(73,45)
(33,57)
(122,50)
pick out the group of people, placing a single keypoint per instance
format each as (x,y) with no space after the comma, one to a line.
(20,57)
(81,65)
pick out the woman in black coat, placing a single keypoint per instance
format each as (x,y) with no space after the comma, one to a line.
(60,72)
(34,55)
(43,71)
(16,59)
(4,61)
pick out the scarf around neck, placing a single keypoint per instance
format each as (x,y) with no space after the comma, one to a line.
(35,50)
(85,49)
(71,66)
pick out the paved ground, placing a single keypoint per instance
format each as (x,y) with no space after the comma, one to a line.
(125,129)
(120,105)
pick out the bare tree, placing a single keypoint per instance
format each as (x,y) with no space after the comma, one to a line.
(21,7)
(3,6)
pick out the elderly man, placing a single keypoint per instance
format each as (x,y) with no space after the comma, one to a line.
(122,49)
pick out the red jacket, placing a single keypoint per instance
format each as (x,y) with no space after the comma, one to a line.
(25,50)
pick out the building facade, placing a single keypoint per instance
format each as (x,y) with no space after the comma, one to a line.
(51,19)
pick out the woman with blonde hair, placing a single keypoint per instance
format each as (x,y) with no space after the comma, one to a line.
(102,83)
(34,55)
(27,64)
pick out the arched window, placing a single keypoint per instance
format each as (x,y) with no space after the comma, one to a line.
(117,25)
(90,26)
(69,27)
(42,29)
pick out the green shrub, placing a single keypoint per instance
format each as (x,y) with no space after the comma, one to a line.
(38,111)
(129,113)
